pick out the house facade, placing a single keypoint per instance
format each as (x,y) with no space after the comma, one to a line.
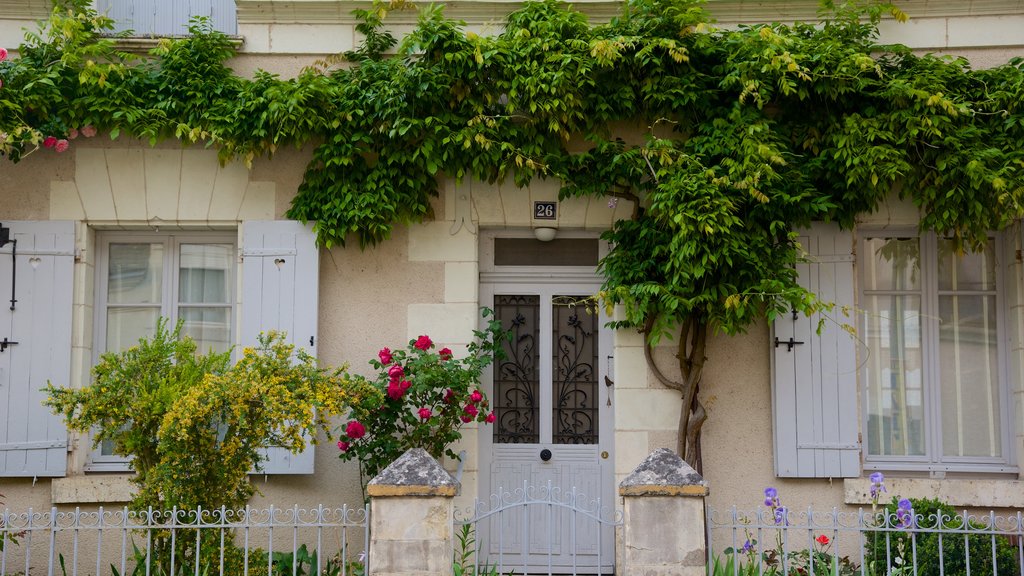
(112,234)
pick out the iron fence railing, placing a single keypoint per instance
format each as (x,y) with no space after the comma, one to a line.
(320,541)
(889,542)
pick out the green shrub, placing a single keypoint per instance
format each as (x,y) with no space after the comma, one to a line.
(904,546)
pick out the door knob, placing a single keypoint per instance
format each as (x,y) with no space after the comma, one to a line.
(545,454)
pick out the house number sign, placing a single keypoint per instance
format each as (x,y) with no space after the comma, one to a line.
(545,210)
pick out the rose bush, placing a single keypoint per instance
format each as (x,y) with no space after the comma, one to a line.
(426,397)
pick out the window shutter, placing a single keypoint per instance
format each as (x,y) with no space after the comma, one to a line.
(280,277)
(33,440)
(814,394)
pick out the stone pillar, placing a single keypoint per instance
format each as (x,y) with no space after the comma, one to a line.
(663,518)
(411,517)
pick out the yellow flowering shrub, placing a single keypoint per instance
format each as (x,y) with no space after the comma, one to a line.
(194,424)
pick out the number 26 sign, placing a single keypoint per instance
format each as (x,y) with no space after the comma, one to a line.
(545,210)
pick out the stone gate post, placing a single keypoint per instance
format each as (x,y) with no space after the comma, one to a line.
(663,518)
(411,517)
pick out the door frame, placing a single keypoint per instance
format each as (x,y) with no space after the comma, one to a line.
(568,280)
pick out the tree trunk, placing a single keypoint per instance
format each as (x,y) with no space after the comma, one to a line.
(691,355)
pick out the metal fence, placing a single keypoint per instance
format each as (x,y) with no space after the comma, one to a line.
(321,541)
(884,541)
(537,530)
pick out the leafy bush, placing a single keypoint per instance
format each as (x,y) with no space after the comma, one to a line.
(195,427)
(906,546)
(424,397)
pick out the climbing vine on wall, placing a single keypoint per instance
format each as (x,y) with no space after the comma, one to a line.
(724,140)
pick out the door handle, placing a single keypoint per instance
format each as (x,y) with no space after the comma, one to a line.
(545,454)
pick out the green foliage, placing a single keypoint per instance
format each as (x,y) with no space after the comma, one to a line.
(901,548)
(194,425)
(423,399)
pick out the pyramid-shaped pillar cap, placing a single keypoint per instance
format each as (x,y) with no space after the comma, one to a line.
(415,473)
(663,473)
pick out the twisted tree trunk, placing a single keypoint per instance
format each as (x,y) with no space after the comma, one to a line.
(691,356)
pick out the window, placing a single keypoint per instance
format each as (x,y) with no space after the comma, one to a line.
(181,276)
(934,370)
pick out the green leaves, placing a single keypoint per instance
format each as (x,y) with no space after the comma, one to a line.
(723,140)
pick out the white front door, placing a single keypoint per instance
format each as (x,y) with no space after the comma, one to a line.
(553,428)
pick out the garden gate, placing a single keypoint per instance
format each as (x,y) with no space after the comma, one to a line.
(565,531)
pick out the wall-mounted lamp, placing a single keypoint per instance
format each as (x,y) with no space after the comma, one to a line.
(545,233)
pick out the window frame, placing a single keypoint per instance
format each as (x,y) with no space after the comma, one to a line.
(172,240)
(933,462)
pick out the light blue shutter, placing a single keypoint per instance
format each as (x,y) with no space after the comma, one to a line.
(168,17)
(814,395)
(280,278)
(33,441)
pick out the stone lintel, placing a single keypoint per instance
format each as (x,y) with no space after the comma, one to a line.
(663,473)
(415,473)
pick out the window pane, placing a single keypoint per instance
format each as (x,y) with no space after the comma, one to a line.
(516,377)
(209,327)
(126,325)
(894,362)
(135,274)
(969,376)
(966,271)
(205,273)
(893,264)
(574,367)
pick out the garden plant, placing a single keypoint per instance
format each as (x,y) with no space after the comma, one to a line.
(194,427)
(424,398)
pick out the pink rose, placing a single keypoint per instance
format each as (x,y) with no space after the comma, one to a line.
(490,418)
(423,343)
(445,353)
(449,395)
(396,372)
(88,131)
(395,391)
(73,133)
(49,142)
(476,397)
(384,355)
(61,145)
(471,411)
(425,413)
(355,430)
(3,53)
(404,384)
(466,419)
(343,446)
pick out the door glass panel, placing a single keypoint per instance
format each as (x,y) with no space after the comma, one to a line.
(516,377)
(574,371)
